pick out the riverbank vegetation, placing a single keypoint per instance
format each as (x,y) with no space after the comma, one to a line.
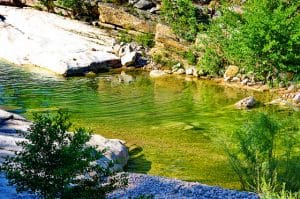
(265,156)
(260,37)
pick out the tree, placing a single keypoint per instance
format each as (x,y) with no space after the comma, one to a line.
(181,15)
(55,163)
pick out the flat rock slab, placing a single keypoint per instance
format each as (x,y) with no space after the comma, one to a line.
(59,44)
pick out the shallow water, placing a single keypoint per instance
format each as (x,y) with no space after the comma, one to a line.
(173,126)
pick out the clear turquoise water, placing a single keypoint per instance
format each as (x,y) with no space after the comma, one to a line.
(173,127)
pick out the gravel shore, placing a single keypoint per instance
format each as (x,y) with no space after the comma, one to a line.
(151,186)
(167,188)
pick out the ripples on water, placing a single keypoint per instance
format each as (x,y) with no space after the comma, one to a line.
(173,120)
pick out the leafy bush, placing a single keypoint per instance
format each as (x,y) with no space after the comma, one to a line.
(182,17)
(190,57)
(53,160)
(264,39)
(146,39)
(266,155)
(49,4)
(75,5)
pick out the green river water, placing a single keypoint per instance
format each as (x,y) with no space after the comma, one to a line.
(172,126)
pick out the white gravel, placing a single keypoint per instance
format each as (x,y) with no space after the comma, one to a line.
(167,188)
(146,185)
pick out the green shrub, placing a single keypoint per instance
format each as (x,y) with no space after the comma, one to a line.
(190,57)
(181,15)
(52,161)
(49,4)
(145,39)
(264,39)
(77,6)
(125,37)
(266,154)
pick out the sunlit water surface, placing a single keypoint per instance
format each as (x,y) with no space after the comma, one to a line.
(173,127)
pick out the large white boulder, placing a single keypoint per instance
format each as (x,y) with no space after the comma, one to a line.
(115,152)
(12,126)
(64,46)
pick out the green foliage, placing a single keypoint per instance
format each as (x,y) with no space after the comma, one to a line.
(210,63)
(75,5)
(163,60)
(49,4)
(265,39)
(190,57)
(266,155)
(181,15)
(52,161)
(146,39)
(125,37)
(271,192)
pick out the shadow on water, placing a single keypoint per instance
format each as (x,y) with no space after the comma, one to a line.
(137,162)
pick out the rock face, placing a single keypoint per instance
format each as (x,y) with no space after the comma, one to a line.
(64,46)
(12,126)
(248,102)
(119,17)
(165,37)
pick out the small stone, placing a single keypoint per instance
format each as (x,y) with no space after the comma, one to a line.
(189,71)
(129,58)
(180,71)
(154,10)
(248,102)
(236,79)
(296,99)
(144,4)
(245,81)
(227,79)
(168,71)
(176,66)
(291,88)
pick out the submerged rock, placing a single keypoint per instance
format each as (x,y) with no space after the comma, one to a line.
(157,73)
(64,46)
(248,102)
(123,77)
